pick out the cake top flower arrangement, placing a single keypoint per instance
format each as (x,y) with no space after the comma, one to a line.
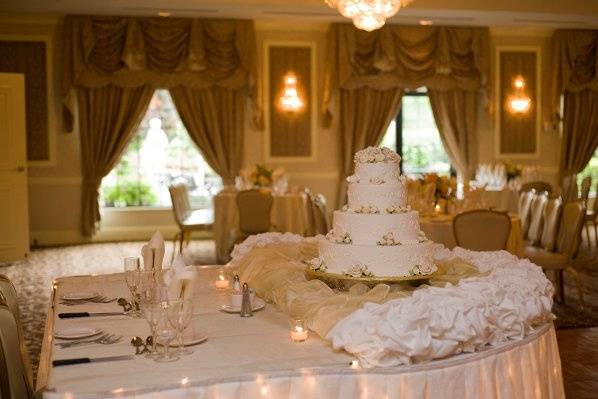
(376,154)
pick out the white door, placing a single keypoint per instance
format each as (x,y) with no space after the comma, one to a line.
(14,217)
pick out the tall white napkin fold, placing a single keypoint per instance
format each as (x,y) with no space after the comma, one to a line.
(180,279)
(153,252)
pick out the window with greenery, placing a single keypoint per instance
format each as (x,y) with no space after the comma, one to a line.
(414,135)
(161,153)
(591,169)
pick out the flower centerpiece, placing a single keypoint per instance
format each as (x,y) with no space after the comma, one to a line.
(446,187)
(513,171)
(261,176)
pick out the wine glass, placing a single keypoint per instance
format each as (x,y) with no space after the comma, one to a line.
(165,334)
(153,294)
(180,313)
(132,268)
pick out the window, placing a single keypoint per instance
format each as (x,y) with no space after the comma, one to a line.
(591,169)
(414,135)
(160,153)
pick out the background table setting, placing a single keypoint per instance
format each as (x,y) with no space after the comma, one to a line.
(482,326)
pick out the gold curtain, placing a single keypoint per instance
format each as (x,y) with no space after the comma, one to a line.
(365,114)
(214,118)
(108,116)
(455,115)
(440,58)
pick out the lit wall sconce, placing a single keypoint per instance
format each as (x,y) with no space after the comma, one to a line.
(289,100)
(519,102)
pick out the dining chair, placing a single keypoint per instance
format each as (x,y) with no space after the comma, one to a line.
(187,219)
(482,230)
(310,230)
(591,218)
(525,204)
(538,185)
(567,244)
(534,232)
(551,219)
(586,183)
(320,212)
(254,212)
(16,378)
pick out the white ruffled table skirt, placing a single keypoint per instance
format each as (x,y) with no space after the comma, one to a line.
(255,359)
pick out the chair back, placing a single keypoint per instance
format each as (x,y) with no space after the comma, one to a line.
(181,207)
(551,218)
(310,212)
(482,230)
(586,183)
(320,212)
(525,208)
(538,185)
(570,229)
(596,202)
(254,211)
(534,233)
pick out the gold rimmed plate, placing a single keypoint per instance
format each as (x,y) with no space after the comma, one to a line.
(344,282)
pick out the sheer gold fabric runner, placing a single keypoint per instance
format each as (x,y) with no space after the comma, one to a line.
(277,273)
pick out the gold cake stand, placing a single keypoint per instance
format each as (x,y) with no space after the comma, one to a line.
(343,282)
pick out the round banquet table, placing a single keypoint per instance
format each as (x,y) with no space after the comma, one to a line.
(440,229)
(289,213)
(503,199)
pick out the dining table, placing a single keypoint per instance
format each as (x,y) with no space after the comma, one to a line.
(254,357)
(290,213)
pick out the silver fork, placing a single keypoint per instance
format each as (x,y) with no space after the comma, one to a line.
(98,299)
(106,340)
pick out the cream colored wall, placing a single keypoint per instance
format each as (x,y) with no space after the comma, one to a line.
(54,190)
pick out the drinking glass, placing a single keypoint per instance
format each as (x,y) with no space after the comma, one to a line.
(180,313)
(132,270)
(165,334)
(153,295)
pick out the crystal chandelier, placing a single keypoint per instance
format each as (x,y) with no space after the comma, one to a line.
(368,15)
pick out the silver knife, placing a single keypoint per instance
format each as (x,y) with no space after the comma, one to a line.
(71,315)
(81,360)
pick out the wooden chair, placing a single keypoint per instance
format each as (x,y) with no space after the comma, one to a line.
(482,230)
(187,219)
(254,212)
(525,203)
(534,232)
(591,218)
(16,380)
(567,243)
(539,186)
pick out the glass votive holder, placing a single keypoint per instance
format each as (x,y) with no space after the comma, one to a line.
(298,330)
(222,280)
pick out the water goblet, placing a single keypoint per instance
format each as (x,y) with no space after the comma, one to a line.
(180,313)
(132,269)
(165,334)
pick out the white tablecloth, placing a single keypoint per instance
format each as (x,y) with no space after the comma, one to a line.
(503,199)
(289,214)
(254,358)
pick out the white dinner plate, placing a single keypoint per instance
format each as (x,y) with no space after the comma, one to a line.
(77,332)
(258,304)
(190,340)
(75,296)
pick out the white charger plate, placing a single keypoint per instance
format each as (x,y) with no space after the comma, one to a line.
(75,296)
(196,339)
(258,304)
(77,332)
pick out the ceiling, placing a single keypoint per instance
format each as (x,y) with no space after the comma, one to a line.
(524,13)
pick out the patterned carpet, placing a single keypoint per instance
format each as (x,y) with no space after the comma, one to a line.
(33,279)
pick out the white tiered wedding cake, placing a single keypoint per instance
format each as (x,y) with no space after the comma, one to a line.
(376,233)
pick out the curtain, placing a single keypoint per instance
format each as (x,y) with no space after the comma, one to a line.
(455,115)
(364,117)
(580,132)
(214,118)
(108,116)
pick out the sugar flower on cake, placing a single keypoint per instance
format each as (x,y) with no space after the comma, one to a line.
(346,208)
(398,209)
(376,154)
(388,239)
(367,209)
(352,179)
(316,264)
(422,270)
(344,238)
(377,180)
(422,237)
(358,270)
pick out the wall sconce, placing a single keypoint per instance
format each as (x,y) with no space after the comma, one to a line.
(519,102)
(289,100)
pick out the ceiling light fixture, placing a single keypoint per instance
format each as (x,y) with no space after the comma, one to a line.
(163,14)
(289,100)
(519,102)
(367,15)
(425,22)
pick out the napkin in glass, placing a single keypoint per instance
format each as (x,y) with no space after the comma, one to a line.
(153,252)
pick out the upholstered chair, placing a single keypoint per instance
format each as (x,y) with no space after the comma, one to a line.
(187,219)
(525,205)
(567,243)
(482,230)
(320,214)
(310,212)
(16,380)
(254,212)
(591,218)
(534,233)
(550,224)
(539,186)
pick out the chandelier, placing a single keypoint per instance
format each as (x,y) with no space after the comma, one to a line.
(368,15)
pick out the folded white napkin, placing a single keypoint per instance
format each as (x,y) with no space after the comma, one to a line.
(153,252)
(180,279)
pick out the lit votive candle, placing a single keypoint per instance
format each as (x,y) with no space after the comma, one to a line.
(298,331)
(437,209)
(222,281)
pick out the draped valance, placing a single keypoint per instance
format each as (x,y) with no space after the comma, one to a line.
(440,58)
(574,63)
